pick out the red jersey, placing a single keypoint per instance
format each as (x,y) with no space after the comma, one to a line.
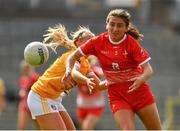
(86,99)
(25,82)
(119,62)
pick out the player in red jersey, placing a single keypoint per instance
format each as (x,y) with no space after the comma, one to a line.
(27,78)
(90,106)
(126,67)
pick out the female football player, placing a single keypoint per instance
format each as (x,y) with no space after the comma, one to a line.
(90,105)
(44,99)
(125,64)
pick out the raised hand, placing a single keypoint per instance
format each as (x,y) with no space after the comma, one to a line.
(102,85)
(90,84)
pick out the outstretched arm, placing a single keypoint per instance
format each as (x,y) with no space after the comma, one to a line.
(93,82)
(90,79)
(83,79)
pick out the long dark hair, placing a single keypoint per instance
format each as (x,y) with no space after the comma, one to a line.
(125,16)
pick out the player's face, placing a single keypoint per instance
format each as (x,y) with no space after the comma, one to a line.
(26,69)
(84,38)
(116,28)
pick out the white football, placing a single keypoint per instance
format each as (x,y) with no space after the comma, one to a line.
(36,53)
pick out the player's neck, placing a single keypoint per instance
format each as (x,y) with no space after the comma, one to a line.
(117,42)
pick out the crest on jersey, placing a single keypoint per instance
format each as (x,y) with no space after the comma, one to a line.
(125,53)
(142,52)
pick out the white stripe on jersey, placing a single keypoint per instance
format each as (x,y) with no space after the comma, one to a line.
(145,61)
(81,51)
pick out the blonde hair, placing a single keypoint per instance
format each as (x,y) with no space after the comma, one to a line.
(125,16)
(80,32)
(57,36)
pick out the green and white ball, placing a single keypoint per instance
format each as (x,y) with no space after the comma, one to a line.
(36,53)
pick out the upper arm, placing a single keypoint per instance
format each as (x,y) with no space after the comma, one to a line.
(73,58)
(147,67)
(77,54)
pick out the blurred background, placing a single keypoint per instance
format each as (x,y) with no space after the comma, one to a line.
(24,21)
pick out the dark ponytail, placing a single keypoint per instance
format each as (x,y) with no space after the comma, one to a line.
(134,32)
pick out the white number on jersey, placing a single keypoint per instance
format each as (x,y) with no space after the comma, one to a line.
(115,66)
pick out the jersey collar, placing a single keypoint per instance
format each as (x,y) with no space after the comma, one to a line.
(118,42)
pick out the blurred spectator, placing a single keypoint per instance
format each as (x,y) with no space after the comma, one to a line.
(90,106)
(27,78)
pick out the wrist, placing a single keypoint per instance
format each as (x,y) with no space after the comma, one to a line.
(106,84)
(68,69)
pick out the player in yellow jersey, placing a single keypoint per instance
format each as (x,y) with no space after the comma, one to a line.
(90,105)
(44,99)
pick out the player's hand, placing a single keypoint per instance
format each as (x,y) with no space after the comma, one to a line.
(137,83)
(103,85)
(90,84)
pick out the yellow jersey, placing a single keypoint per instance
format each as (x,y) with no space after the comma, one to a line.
(49,85)
(85,66)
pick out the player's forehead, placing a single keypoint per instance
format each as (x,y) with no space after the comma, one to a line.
(115,19)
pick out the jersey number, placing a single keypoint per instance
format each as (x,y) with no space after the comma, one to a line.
(115,66)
